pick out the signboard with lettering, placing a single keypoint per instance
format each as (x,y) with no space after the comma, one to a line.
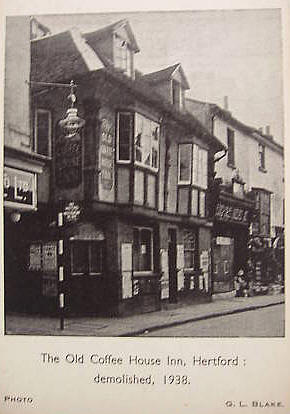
(165,274)
(49,257)
(68,162)
(107,154)
(35,257)
(223,241)
(19,189)
(43,257)
(180,266)
(229,213)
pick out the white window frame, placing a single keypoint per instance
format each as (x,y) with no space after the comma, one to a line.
(144,272)
(118,139)
(179,181)
(123,58)
(35,143)
(152,146)
(200,156)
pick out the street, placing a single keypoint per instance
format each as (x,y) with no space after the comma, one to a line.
(265,322)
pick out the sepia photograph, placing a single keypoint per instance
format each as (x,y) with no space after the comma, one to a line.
(144,174)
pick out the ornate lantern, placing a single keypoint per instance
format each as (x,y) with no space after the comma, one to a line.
(72,123)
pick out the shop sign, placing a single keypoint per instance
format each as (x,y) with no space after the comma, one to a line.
(223,241)
(107,154)
(228,213)
(19,188)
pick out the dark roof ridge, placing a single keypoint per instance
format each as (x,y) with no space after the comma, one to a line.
(165,74)
(171,67)
(51,35)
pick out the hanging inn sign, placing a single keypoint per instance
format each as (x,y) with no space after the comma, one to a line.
(226,213)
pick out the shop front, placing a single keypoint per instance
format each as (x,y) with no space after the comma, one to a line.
(230,241)
(185,263)
(20,205)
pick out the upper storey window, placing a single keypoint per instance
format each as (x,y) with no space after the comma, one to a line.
(123,55)
(42,132)
(231,147)
(192,165)
(125,130)
(146,140)
(184,163)
(192,178)
(177,95)
(262,163)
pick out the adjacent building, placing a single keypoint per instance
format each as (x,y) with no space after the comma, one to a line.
(26,167)
(249,188)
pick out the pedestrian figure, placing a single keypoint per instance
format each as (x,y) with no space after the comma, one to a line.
(241,284)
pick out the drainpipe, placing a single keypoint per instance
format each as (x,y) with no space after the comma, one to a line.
(212,239)
(225,151)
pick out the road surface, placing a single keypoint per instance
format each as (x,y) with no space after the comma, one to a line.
(265,322)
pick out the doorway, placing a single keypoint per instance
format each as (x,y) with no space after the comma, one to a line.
(172,253)
(223,264)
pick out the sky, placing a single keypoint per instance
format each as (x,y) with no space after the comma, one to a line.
(234,53)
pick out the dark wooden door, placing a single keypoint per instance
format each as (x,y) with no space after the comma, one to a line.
(172,252)
(223,261)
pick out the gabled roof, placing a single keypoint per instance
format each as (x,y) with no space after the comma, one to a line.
(62,56)
(45,29)
(93,37)
(166,74)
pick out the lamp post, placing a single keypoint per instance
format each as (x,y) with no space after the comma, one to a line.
(70,125)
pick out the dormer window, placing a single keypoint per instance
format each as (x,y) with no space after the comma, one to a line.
(177,95)
(122,55)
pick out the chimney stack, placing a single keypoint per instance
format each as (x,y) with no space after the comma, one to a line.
(260,130)
(268,132)
(226,103)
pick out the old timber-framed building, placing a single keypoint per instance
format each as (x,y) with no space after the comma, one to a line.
(138,174)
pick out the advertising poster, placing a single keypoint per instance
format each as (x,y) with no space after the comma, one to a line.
(132,332)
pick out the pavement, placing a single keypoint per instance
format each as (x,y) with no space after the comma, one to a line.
(23,324)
